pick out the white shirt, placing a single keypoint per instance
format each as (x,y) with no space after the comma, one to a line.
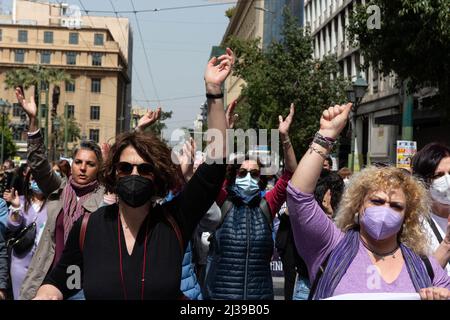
(441,225)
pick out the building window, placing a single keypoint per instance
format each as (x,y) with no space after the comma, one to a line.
(1,35)
(95,112)
(43,110)
(96,85)
(71,58)
(23,36)
(70,86)
(98,39)
(94,135)
(97,59)
(17,110)
(45,57)
(73,38)
(48,37)
(19,56)
(70,111)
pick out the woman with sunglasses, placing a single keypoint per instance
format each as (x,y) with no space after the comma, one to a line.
(378,247)
(134,249)
(241,248)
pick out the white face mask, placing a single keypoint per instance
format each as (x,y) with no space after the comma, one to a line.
(440,189)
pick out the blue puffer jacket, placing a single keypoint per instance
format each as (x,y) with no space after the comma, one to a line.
(240,252)
(189,284)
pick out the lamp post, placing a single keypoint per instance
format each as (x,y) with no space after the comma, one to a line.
(5,107)
(355,93)
(56,125)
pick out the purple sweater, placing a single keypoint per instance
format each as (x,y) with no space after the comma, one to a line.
(19,264)
(315,236)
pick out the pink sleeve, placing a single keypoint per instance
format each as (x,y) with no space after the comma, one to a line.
(221,197)
(277,196)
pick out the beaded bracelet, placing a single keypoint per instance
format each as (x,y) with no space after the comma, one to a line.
(323,155)
(327,143)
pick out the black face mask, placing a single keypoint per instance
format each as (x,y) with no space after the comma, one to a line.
(135,190)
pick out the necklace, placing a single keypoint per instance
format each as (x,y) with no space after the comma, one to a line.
(381,255)
(144,260)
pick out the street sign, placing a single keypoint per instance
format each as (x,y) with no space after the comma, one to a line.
(405,151)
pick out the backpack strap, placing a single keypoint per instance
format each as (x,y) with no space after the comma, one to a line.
(224,209)
(84,223)
(177,230)
(318,276)
(264,206)
(435,229)
(429,267)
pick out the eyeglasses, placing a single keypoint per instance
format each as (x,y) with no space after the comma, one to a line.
(243,173)
(126,168)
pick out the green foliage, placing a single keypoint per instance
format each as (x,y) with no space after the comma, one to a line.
(10,148)
(230,12)
(414,41)
(286,72)
(159,125)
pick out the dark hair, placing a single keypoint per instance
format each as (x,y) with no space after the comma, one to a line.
(152,150)
(330,161)
(27,193)
(64,166)
(237,163)
(11,163)
(425,162)
(329,181)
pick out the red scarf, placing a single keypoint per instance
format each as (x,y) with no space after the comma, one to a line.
(73,208)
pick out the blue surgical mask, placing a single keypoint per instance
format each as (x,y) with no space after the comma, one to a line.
(247,186)
(35,188)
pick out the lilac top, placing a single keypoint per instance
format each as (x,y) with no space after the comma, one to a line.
(19,264)
(315,236)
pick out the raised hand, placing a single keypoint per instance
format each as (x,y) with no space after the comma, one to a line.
(230,117)
(28,106)
(285,124)
(105,147)
(216,74)
(434,293)
(333,120)
(12,196)
(148,119)
(187,158)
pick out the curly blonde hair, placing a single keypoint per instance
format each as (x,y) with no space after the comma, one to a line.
(374,179)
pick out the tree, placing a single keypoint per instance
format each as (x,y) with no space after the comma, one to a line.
(230,12)
(159,125)
(35,76)
(413,41)
(9,146)
(73,130)
(285,72)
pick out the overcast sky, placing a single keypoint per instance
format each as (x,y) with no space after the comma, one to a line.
(178,44)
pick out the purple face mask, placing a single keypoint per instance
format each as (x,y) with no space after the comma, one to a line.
(381,222)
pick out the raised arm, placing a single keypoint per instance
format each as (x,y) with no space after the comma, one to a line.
(42,171)
(332,122)
(148,119)
(215,75)
(315,235)
(277,196)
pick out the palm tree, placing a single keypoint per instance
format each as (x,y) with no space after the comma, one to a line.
(35,76)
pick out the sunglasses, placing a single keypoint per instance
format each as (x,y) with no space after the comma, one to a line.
(126,168)
(243,173)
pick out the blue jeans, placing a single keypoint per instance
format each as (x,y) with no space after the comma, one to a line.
(301,289)
(77,296)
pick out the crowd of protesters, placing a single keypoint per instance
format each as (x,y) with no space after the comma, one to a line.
(138,225)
